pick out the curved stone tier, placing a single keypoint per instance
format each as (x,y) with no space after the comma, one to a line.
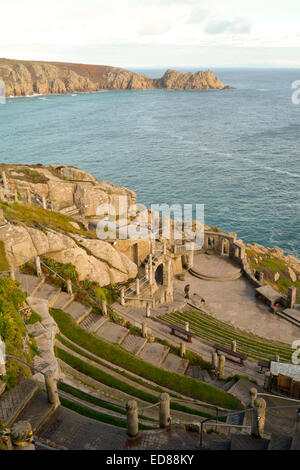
(214,268)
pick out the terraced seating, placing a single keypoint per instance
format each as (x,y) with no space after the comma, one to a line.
(155,353)
(93,322)
(113,332)
(62,301)
(78,311)
(48,292)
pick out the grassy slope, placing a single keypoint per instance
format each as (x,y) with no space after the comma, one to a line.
(119,356)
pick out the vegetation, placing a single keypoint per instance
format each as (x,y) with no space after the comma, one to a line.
(117,355)
(209,328)
(12,330)
(4,266)
(34,318)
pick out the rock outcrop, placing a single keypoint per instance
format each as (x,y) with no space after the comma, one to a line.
(23,78)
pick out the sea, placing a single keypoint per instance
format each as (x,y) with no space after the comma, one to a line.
(235,151)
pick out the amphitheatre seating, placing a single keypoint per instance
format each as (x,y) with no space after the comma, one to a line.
(229,353)
(263,365)
(188,334)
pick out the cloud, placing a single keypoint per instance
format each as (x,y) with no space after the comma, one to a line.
(236,26)
(197,15)
(155,27)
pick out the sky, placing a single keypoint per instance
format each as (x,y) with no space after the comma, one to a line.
(153,33)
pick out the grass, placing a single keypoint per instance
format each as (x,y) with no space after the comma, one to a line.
(115,354)
(37,217)
(84,411)
(35,317)
(4,266)
(209,328)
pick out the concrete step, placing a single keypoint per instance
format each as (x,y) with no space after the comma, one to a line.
(30,284)
(175,363)
(134,344)
(246,442)
(155,353)
(37,411)
(78,311)
(13,401)
(93,322)
(279,442)
(205,277)
(113,332)
(241,389)
(48,292)
(63,300)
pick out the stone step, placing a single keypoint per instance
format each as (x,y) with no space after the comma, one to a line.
(48,292)
(241,389)
(155,353)
(30,284)
(13,401)
(175,363)
(225,278)
(78,311)
(37,411)
(113,332)
(279,442)
(134,344)
(228,385)
(246,442)
(93,322)
(63,300)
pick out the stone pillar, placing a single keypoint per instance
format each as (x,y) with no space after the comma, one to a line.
(144,330)
(259,418)
(164,410)
(242,252)
(44,203)
(16,196)
(148,310)
(28,193)
(69,287)
(12,273)
(38,266)
(51,389)
(21,436)
(132,418)
(187,326)
(4,179)
(233,346)
(253,396)
(164,247)
(261,276)
(122,296)
(104,308)
(150,269)
(182,349)
(137,287)
(292,297)
(268,381)
(147,272)
(277,358)
(215,361)
(221,246)
(222,367)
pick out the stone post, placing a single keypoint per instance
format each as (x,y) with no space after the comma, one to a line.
(51,389)
(21,436)
(28,196)
(233,346)
(277,358)
(150,269)
(187,326)
(148,310)
(44,203)
(38,266)
(268,381)
(182,349)
(261,276)
(215,361)
(222,367)
(104,307)
(16,196)
(122,296)
(132,418)
(164,247)
(144,330)
(259,418)
(69,287)
(4,179)
(137,287)
(221,246)
(292,297)
(164,410)
(253,396)
(12,273)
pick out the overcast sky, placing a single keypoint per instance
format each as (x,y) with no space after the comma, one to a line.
(153,33)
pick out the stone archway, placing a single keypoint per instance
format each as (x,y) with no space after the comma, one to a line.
(159,274)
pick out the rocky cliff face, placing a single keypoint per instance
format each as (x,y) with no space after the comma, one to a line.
(23,78)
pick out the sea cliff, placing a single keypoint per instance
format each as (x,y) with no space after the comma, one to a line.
(23,78)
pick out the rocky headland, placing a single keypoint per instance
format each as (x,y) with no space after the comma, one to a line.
(23,78)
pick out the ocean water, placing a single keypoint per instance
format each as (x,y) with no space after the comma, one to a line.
(237,152)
